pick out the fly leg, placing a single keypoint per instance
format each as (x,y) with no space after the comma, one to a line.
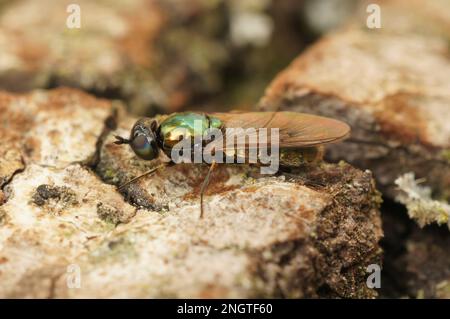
(149,172)
(204,185)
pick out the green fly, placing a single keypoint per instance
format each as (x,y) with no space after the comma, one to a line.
(297,133)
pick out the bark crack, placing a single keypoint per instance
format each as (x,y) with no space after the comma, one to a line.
(8,181)
(109,125)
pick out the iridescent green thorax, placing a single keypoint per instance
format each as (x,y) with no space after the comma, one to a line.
(183,125)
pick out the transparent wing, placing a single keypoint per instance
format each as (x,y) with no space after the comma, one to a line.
(296,130)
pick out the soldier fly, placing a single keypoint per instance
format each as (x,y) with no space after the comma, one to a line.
(297,132)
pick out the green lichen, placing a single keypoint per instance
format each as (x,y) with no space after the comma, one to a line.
(109,214)
(443,289)
(445,154)
(113,250)
(377,197)
(101,227)
(299,157)
(109,174)
(420,294)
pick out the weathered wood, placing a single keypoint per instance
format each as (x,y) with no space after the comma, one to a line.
(306,234)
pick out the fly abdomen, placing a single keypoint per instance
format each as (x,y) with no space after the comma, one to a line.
(292,157)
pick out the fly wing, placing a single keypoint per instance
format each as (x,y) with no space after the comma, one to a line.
(296,130)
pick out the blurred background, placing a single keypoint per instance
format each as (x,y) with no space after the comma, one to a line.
(161,56)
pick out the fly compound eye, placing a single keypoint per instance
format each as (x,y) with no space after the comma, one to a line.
(144,147)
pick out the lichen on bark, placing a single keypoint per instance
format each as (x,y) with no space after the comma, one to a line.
(309,232)
(396,106)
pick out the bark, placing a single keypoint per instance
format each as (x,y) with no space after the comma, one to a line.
(135,51)
(416,263)
(307,233)
(428,264)
(157,55)
(392,85)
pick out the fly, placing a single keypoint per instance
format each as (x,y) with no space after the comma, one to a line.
(296,132)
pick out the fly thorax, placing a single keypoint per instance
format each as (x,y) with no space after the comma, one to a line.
(186,130)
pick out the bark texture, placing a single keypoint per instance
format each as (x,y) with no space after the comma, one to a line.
(157,55)
(137,51)
(309,233)
(392,85)
(416,262)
